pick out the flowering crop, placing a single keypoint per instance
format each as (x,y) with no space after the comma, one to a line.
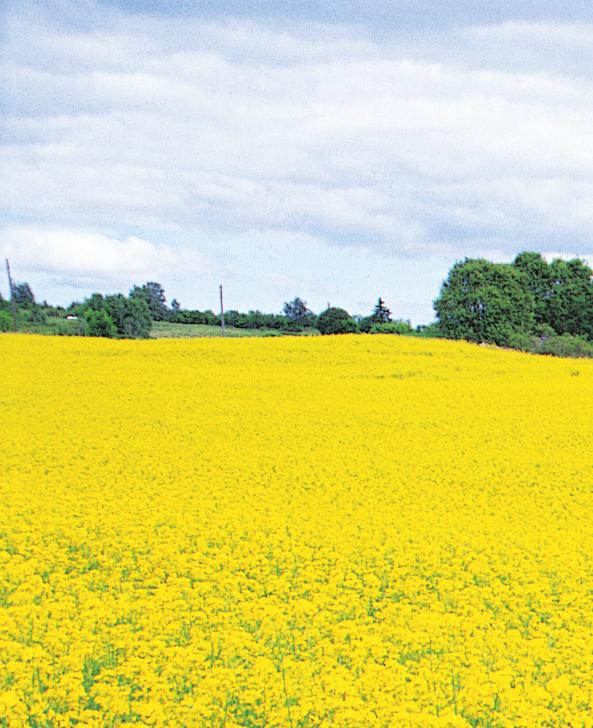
(351,531)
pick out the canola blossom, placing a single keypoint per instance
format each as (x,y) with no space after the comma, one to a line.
(342,531)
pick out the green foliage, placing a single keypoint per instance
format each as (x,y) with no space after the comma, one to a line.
(544,331)
(99,323)
(130,316)
(566,345)
(393,327)
(5,321)
(522,341)
(336,321)
(562,291)
(204,318)
(428,331)
(381,315)
(37,315)
(538,280)
(484,302)
(22,294)
(571,303)
(365,324)
(61,327)
(530,305)
(153,294)
(252,320)
(296,312)
(167,329)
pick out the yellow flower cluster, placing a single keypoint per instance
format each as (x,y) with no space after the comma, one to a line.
(349,531)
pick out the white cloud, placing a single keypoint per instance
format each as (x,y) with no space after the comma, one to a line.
(90,260)
(479,142)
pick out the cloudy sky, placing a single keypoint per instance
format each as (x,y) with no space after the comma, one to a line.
(335,150)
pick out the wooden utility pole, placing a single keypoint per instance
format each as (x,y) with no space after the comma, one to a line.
(221,311)
(12,301)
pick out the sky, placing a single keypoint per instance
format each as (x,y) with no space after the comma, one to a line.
(336,151)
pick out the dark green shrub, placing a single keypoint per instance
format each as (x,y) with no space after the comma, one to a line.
(522,342)
(566,345)
(336,321)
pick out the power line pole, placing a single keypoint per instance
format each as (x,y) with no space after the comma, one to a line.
(221,311)
(11,289)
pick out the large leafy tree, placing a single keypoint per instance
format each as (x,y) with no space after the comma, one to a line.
(116,315)
(99,323)
(571,302)
(131,316)
(485,302)
(539,280)
(154,295)
(562,292)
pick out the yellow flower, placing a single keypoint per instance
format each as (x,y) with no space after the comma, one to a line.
(351,531)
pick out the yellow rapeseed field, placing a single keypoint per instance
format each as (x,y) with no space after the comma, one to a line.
(342,531)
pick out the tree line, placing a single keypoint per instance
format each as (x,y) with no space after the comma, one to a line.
(529,304)
(132,316)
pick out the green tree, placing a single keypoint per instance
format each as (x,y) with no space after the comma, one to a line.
(22,294)
(96,301)
(99,323)
(381,314)
(539,280)
(130,316)
(5,321)
(484,302)
(562,291)
(571,302)
(296,311)
(154,295)
(336,321)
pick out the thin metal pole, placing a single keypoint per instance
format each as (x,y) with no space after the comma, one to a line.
(221,312)
(12,301)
